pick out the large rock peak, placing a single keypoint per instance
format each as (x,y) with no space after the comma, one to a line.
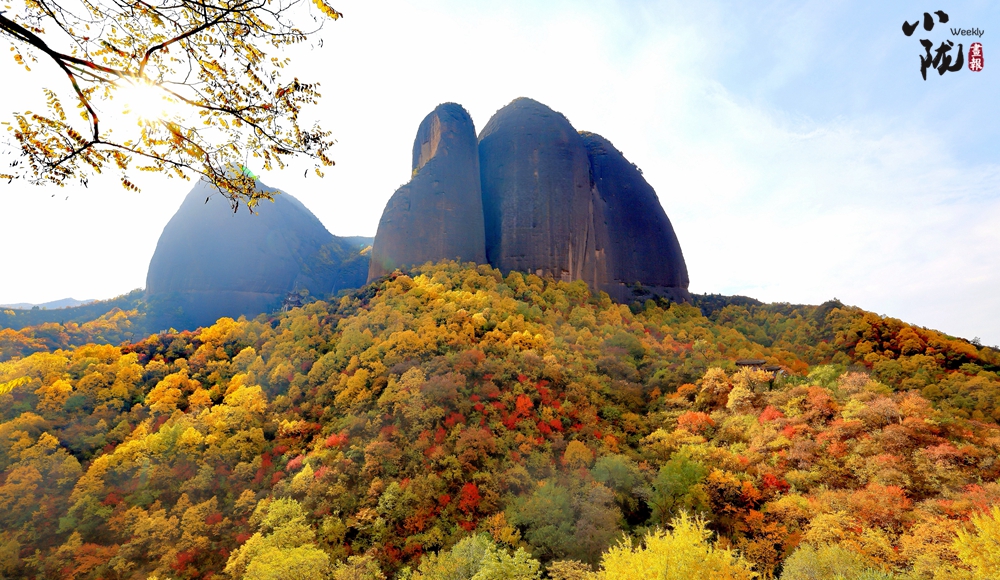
(643,247)
(537,196)
(534,196)
(210,262)
(439,214)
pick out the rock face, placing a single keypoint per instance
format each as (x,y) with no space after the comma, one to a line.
(643,248)
(539,197)
(540,210)
(439,214)
(210,262)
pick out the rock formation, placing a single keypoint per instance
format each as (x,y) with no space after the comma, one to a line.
(643,249)
(439,214)
(539,208)
(210,262)
(548,200)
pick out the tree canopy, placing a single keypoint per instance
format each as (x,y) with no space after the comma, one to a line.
(460,424)
(201,82)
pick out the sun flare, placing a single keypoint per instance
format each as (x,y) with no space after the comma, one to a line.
(146,101)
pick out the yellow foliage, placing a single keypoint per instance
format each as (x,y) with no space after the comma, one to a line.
(52,397)
(501,530)
(682,553)
(13,384)
(577,455)
(979,548)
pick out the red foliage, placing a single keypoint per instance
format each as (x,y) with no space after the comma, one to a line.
(159,422)
(453,419)
(265,465)
(296,463)
(183,559)
(770,414)
(469,498)
(242,537)
(277,477)
(695,421)
(439,435)
(337,440)
(523,405)
(444,499)
(773,483)
(836,449)
(393,553)
(880,505)
(213,519)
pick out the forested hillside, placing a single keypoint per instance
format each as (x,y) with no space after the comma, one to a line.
(455,423)
(17,319)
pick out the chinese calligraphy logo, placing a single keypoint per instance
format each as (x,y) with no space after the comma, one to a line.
(940,60)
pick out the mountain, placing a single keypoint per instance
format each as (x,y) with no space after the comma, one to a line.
(211,262)
(548,200)
(537,196)
(439,213)
(54,304)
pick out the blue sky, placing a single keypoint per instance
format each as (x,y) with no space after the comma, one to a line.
(794,145)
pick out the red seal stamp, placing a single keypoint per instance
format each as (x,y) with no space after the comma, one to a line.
(976,56)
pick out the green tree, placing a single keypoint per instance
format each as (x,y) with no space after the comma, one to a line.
(548,518)
(676,488)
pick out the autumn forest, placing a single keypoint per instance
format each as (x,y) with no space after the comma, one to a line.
(454,422)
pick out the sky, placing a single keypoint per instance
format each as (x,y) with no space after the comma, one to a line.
(794,145)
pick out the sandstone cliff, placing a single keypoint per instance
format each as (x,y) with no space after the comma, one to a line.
(643,250)
(539,206)
(210,262)
(439,214)
(539,197)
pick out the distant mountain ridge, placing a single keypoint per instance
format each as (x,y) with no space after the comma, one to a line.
(51,305)
(16,318)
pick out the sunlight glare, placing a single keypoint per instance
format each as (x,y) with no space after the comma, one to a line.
(146,101)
